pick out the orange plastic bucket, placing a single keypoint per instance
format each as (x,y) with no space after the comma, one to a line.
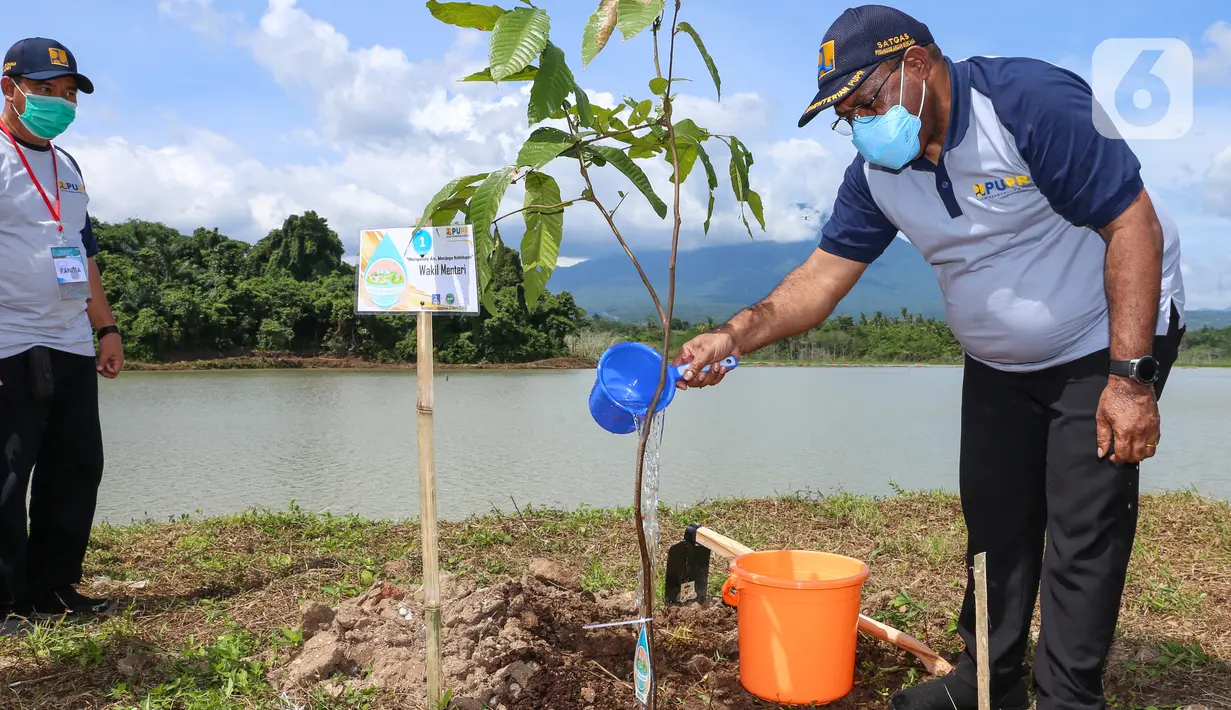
(798,622)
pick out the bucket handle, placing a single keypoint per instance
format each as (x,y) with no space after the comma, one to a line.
(730,362)
(730,592)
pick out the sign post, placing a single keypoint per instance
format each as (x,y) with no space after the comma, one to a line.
(428,271)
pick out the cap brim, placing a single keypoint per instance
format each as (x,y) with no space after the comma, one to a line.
(84,85)
(833,91)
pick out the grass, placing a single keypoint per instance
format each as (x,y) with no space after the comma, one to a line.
(220,603)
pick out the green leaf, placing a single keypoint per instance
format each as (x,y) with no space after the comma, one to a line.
(585,113)
(739,172)
(447,210)
(445,193)
(711,179)
(709,61)
(540,246)
(758,211)
(688,132)
(636,15)
(465,14)
(687,156)
(625,164)
(598,30)
(551,86)
(483,208)
(710,176)
(520,35)
(641,112)
(638,152)
(542,147)
(486,75)
(658,86)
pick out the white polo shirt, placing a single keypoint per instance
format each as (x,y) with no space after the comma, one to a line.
(31,309)
(1008,219)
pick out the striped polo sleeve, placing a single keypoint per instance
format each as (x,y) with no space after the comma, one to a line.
(857,229)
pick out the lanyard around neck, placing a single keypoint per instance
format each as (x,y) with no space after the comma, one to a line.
(55,168)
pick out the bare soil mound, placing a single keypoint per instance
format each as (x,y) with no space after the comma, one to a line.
(522,645)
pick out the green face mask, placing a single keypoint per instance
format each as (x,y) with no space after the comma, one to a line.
(47,116)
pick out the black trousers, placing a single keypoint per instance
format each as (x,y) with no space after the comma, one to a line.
(61,440)
(1044,507)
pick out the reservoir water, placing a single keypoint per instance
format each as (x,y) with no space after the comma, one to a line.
(344,441)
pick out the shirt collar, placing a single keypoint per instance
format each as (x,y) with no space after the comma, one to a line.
(959,112)
(959,103)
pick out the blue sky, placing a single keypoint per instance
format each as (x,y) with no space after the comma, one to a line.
(233,113)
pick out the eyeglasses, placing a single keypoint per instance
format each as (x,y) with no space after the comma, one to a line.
(845,126)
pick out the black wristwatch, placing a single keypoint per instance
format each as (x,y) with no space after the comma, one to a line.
(108,330)
(1144,369)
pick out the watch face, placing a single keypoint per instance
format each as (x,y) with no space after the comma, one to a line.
(1147,369)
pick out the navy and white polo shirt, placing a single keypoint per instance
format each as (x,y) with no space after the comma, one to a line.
(31,310)
(1008,219)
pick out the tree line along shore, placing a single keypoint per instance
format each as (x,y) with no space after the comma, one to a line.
(207,301)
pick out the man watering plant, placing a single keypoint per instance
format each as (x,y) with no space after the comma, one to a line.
(1062,283)
(50,296)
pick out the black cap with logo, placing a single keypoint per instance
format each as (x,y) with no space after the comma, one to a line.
(40,59)
(854,45)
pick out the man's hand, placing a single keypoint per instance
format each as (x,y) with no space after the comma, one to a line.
(705,349)
(1127,421)
(110,355)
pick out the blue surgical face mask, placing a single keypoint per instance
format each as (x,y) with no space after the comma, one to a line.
(47,116)
(891,140)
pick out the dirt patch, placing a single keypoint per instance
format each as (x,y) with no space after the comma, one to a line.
(521,645)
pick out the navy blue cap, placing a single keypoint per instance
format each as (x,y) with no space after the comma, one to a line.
(855,44)
(40,59)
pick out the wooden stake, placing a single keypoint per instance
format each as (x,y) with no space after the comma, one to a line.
(427,510)
(984,669)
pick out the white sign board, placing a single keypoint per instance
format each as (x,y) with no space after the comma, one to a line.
(404,271)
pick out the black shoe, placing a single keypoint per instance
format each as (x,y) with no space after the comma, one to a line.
(77,603)
(11,623)
(953,693)
(62,602)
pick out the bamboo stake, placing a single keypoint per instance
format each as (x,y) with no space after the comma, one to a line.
(427,509)
(984,671)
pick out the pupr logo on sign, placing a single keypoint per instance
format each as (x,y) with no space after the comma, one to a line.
(1143,88)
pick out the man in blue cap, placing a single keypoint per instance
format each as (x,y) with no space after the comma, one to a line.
(51,307)
(1061,279)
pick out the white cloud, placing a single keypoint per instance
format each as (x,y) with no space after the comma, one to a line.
(1214,64)
(201,16)
(397,129)
(403,128)
(1219,178)
(1207,282)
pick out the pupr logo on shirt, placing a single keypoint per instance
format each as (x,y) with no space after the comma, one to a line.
(1002,187)
(77,187)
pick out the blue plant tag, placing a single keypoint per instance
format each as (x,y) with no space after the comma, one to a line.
(643,674)
(71,273)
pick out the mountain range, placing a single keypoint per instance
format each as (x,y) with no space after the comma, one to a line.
(717,281)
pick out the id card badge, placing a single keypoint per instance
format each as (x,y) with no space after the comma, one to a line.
(71,273)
